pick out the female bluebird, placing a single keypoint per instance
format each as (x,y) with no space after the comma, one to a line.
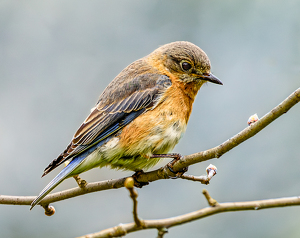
(142,113)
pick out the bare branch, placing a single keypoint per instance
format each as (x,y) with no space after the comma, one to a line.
(196,215)
(164,172)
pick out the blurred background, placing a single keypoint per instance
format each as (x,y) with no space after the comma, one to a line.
(56,57)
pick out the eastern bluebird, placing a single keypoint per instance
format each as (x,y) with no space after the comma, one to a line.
(140,116)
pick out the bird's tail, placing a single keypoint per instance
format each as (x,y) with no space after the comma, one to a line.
(58,179)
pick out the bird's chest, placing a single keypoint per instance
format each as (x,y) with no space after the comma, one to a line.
(166,132)
(158,130)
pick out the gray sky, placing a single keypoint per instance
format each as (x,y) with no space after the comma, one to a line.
(56,57)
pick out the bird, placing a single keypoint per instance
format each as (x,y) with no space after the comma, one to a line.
(140,116)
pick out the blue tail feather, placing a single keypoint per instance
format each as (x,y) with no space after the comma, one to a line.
(75,162)
(58,179)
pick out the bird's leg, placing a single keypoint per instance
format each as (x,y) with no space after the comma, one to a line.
(176,157)
(135,177)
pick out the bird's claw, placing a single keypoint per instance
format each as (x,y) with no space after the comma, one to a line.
(136,182)
(178,174)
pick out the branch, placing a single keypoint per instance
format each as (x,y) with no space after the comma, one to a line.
(216,208)
(164,172)
(66,194)
(129,184)
(242,136)
(88,188)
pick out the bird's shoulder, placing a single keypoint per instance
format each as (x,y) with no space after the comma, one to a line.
(136,77)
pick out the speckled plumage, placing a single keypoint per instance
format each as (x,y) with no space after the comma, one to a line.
(142,112)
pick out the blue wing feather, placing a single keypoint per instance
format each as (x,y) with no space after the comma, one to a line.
(76,161)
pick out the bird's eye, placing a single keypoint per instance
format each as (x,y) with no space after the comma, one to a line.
(186,66)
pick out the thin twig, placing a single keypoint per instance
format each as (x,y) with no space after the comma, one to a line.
(161,232)
(129,184)
(81,182)
(202,213)
(211,171)
(211,202)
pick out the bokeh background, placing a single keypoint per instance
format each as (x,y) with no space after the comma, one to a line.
(56,57)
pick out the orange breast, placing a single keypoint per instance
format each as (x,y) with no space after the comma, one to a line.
(157,131)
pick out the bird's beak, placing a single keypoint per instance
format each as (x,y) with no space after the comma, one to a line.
(211,78)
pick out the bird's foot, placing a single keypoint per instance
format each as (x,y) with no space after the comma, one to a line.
(178,174)
(176,157)
(135,176)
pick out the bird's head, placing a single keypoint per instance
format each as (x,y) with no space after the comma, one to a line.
(186,61)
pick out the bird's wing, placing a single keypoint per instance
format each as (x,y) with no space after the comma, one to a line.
(104,121)
(132,99)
